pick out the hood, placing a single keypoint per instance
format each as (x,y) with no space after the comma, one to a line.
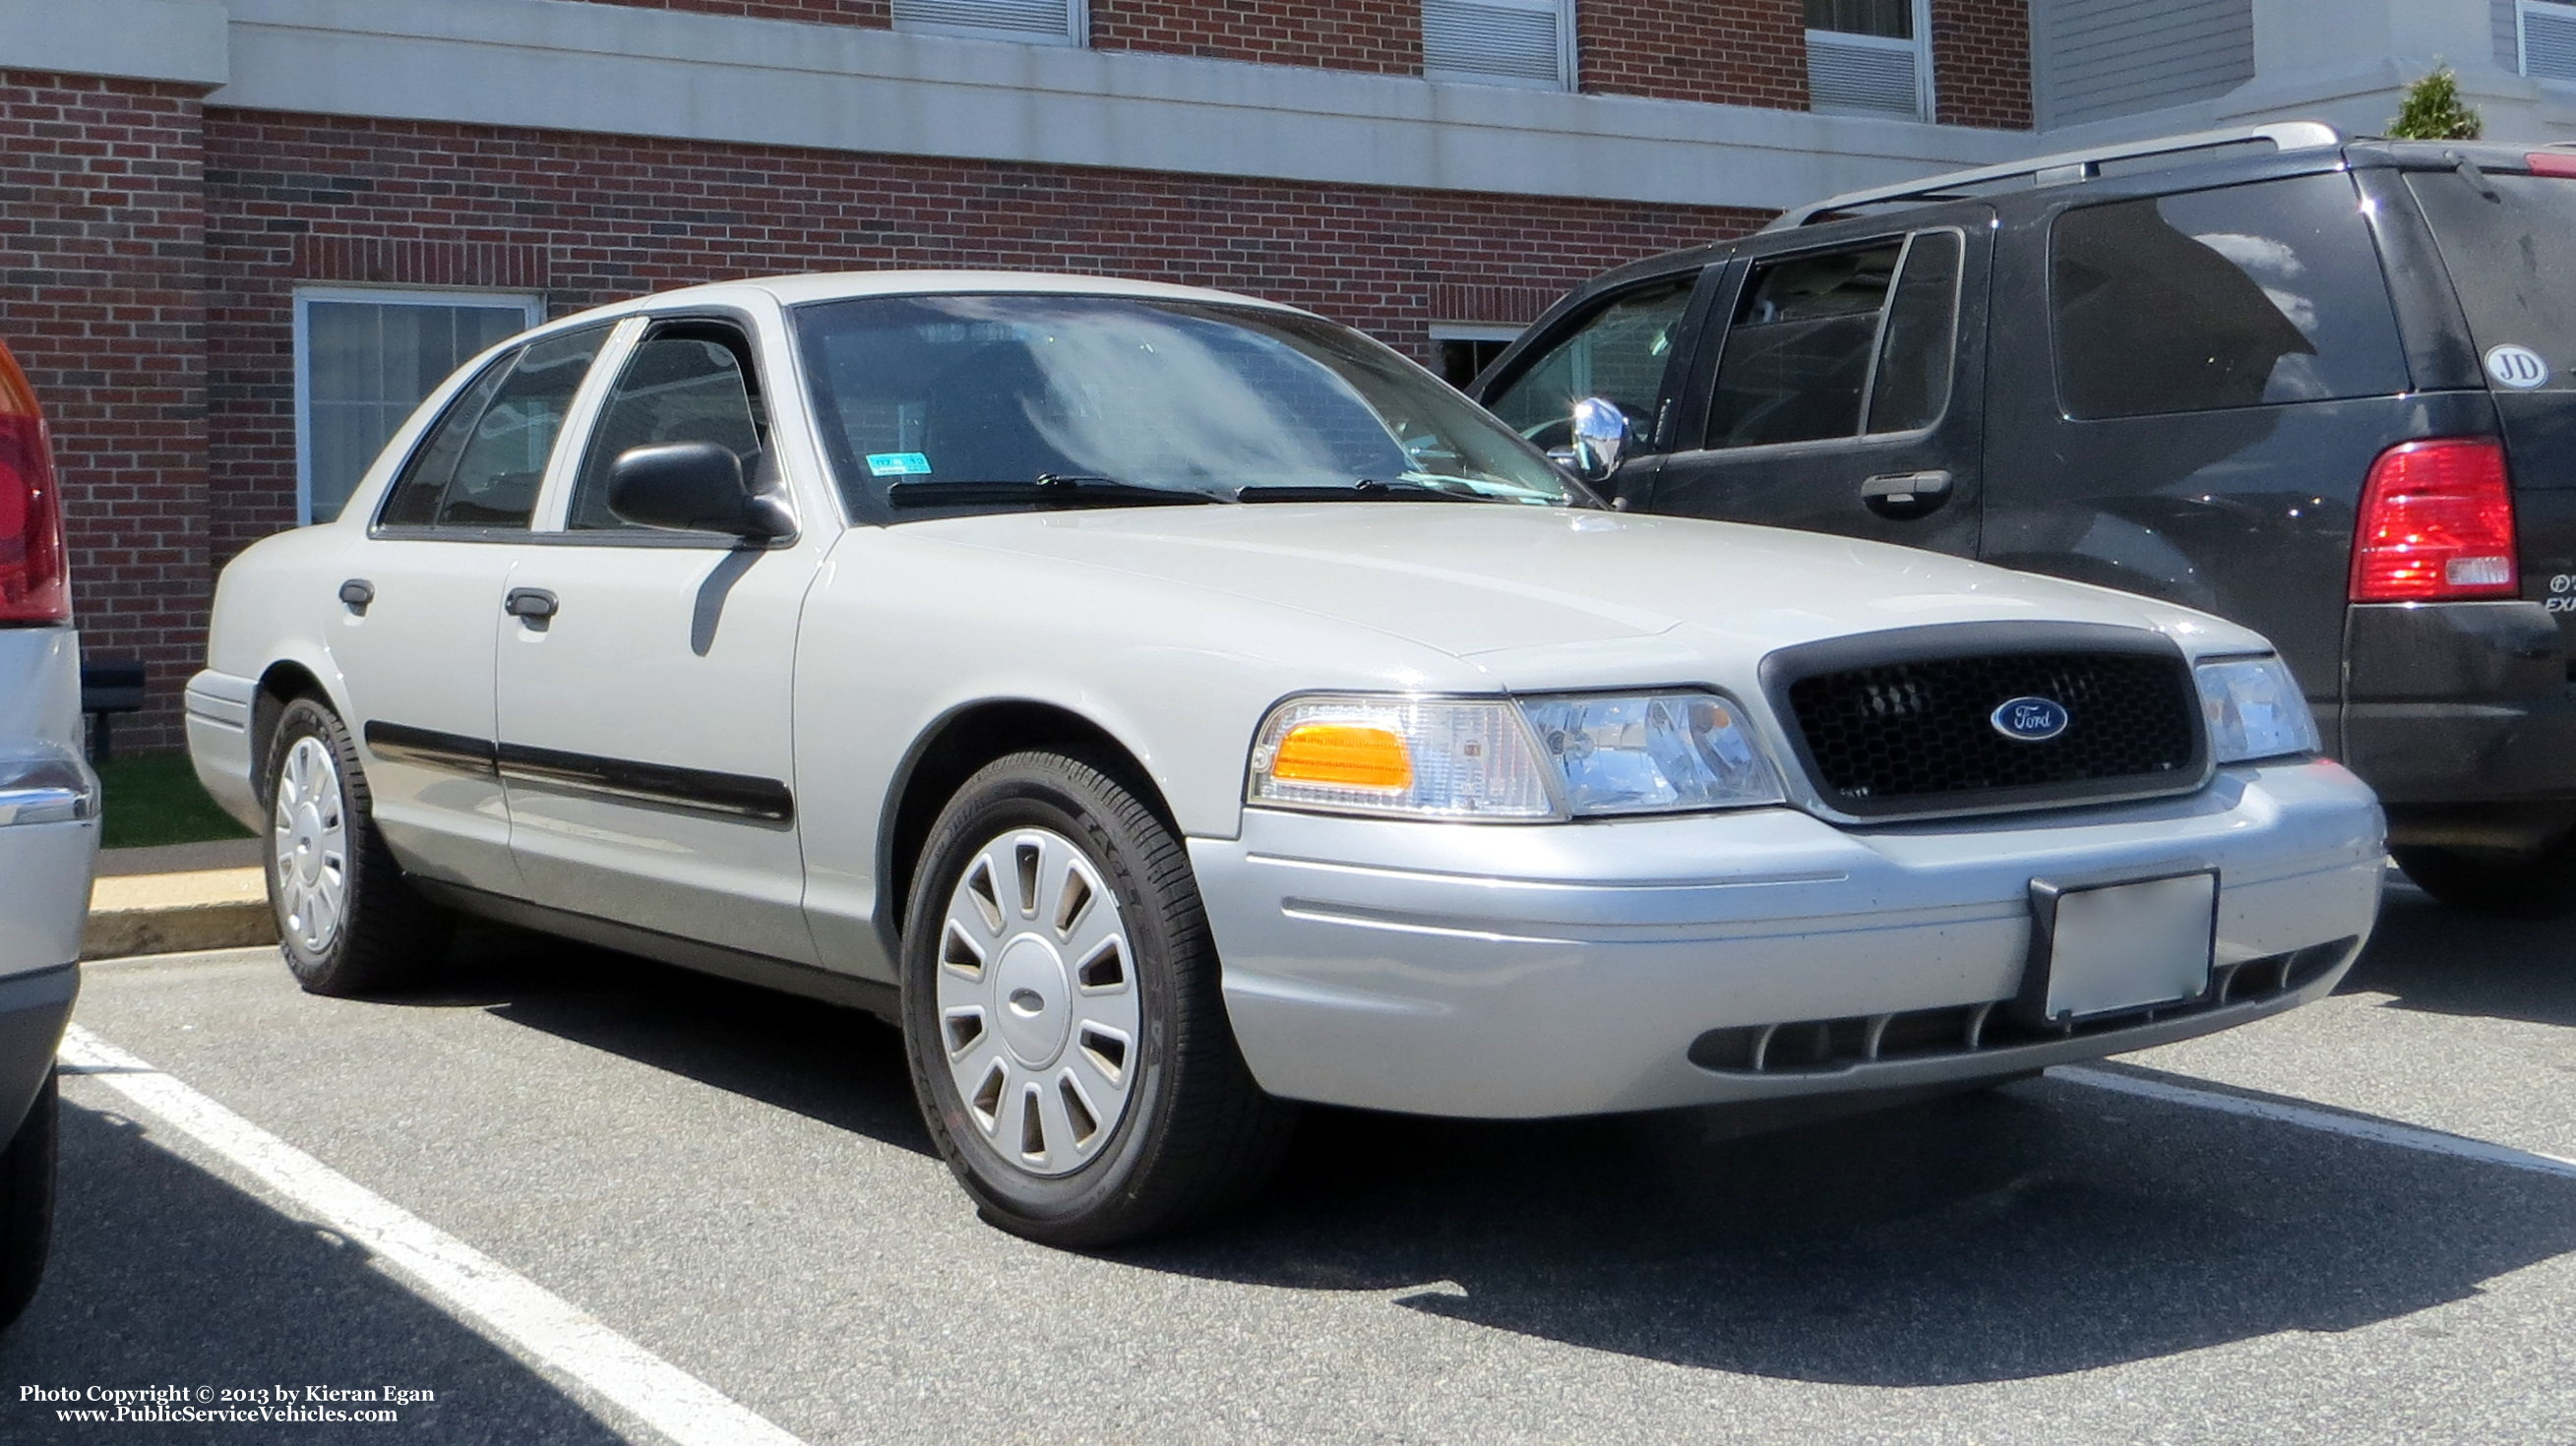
(1560,591)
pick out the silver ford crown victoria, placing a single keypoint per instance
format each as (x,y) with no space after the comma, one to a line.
(1170,706)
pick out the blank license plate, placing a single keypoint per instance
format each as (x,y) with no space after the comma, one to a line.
(2130,946)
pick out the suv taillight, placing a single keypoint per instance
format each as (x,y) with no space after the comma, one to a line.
(31,518)
(2436,524)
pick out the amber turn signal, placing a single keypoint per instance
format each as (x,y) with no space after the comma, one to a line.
(1351,755)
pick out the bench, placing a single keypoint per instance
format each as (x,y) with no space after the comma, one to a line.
(109,686)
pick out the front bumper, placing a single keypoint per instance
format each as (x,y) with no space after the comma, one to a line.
(1516,972)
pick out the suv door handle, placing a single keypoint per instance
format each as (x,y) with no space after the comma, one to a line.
(532,604)
(1905,494)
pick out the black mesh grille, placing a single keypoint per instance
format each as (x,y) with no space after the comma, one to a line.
(1918,734)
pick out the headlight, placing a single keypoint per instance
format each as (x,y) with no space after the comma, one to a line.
(2255,710)
(1578,755)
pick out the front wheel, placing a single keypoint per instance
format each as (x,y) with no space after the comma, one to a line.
(346,920)
(2539,885)
(1062,1014)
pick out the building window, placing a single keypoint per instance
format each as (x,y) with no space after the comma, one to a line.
(364,358)
(1870,57)
(1468,350)
(1040,22)
(1499,42)
(2547,37)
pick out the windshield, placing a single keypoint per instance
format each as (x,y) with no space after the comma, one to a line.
(914,393)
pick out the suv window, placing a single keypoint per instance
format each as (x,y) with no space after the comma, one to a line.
(1618,354)
(2254,294)
(1822,341)
(2515,297)
(684,384)
(487,453)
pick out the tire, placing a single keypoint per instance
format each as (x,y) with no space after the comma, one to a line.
(2538,885)
(1058,974)
(346,921)
(27,1201)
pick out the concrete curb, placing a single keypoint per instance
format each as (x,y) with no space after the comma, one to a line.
(170,913)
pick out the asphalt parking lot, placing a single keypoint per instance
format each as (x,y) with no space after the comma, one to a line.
(2354,1223)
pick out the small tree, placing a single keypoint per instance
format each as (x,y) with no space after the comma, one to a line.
(2432,111)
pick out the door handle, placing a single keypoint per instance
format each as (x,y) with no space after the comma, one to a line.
(1905,494)
(530,604)
(357,593)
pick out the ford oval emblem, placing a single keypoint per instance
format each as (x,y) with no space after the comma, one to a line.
(2031,720)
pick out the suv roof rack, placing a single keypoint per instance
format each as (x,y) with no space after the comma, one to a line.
(2067,166)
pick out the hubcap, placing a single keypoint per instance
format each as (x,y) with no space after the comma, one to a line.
(1038,1013)
(309,846)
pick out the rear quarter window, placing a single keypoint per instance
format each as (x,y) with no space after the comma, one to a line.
(2237,297)
(2498,248)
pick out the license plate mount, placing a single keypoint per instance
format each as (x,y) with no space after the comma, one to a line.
(2098,950)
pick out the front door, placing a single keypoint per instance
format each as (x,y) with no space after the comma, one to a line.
(1837,389)
(645,735)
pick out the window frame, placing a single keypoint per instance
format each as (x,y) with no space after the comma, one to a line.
(1687,329)
(1568,65)
(1722,331)
(1926,97)
(531,304)
(1077,29)
(551,524)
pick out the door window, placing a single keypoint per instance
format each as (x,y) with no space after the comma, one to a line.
(1618,354)
(486,455)
(2237,297)
(686,383)
(1825,341)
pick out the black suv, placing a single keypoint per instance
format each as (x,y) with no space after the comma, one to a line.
(2325,388)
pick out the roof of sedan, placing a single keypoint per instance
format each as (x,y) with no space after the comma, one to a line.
(842,285)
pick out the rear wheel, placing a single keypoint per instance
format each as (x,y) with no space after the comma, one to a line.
(346,921)
(27,1201)
(2539,885)
(1062,1014)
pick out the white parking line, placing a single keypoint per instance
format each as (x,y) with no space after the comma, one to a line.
(2405,1137)
(477,1289)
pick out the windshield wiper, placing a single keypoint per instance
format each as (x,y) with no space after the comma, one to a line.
(1365,489)
(1047,489)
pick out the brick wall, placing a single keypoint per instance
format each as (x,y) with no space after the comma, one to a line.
(102,227)
(1374,35)
(303,198)
(1981,63)
(874,14)
(1734,52)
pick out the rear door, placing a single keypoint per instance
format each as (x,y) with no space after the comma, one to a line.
(2505,239)
(419,611)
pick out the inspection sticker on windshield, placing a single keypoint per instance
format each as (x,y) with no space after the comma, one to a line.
(898,464)
(2518,367)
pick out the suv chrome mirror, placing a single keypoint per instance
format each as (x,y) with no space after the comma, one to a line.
(693,487)
(1600,437)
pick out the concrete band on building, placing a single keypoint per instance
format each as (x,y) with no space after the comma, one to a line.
(208,206)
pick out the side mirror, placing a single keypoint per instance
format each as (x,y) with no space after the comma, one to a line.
(1600,437)
(693,487)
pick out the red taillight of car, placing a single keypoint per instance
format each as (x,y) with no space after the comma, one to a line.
(32,588)
(2436,524)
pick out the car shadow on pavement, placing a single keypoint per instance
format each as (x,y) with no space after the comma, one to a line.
(163,1274)
(2031,1231)
(2447,961)
(842,1067)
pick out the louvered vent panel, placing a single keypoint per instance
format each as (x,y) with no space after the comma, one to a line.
(1506,41)
(1863,73)
(2549,41)
(1023,19)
